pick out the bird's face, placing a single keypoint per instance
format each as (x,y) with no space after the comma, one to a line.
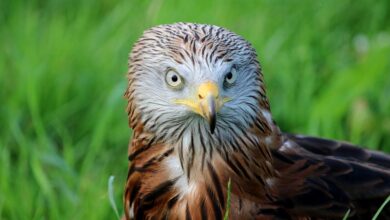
(199,78)
(204,98)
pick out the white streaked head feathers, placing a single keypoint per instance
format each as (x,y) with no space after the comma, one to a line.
(198,53)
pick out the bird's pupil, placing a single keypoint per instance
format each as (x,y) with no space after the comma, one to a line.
(229,75)
(174,78)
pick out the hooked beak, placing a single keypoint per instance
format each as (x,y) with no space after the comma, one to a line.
(206,103)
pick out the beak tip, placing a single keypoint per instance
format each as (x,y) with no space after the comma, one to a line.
(212,114)
(212,130)
(212,124)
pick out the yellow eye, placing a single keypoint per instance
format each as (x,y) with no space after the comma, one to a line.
(230,77)
(173,79)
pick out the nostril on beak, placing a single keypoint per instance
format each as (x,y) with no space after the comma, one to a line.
(200,96)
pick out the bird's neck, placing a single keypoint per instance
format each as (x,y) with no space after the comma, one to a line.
(240,155)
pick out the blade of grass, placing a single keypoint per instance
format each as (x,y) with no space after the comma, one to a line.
(229,189)
(381,208)
(111,195)
(346,214)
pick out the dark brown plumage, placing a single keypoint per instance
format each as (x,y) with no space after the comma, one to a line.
(200,116)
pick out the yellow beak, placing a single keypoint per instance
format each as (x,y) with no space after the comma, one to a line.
(206,102)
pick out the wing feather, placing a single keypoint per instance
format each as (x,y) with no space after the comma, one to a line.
(345,177)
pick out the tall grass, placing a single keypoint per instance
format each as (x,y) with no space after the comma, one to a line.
(63,127)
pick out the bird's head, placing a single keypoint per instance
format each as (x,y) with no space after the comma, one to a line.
(195,77)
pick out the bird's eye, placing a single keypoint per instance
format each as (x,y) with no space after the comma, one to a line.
(173,79)
(230,77)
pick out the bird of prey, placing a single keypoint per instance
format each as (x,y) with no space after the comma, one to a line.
(200,117)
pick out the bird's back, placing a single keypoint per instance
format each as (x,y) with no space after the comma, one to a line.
(342,177)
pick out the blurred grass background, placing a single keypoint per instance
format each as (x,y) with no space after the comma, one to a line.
(63,126)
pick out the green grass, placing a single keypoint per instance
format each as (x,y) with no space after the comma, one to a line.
(63,127)
(346,214)
(378,212)
(228,200)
